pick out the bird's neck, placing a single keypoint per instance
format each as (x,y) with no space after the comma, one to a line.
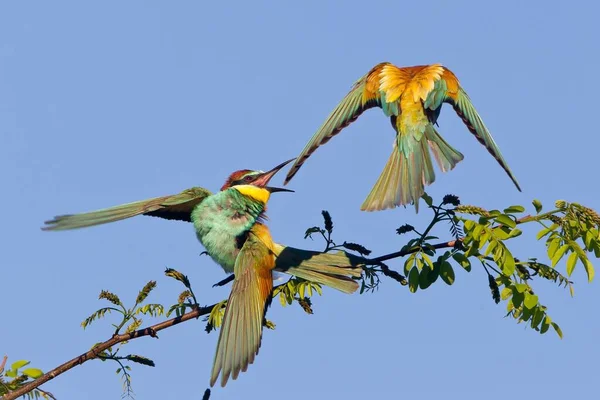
(254,193)
(235,209)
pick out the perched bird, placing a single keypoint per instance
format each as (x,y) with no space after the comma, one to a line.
(412,97)
(230,226)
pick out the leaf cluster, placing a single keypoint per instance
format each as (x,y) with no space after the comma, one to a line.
(16,375)
(478,239)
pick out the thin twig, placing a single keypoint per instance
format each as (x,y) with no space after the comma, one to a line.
(403,253)
(97,350)
(46,393)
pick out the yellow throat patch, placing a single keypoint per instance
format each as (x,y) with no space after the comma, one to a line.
(255,192)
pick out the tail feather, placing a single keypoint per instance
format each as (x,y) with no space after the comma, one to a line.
(409,169)
(335,270)
(387,190)
(404,177)
(445,156)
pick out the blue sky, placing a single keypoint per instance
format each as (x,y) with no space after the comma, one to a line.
(106,104)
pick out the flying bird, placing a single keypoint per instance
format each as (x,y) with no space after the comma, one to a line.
(230,225)
(412,97)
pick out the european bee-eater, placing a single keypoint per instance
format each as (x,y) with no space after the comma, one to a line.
(229,224)
(412,97)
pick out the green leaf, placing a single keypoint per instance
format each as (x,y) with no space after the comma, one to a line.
(506,293)
(477,231)
(424,277)
(494,213)
(447,273)
(514,233)
(484,238)
(553,245)
(571,261)
(531,300)
(526,314)
(589,268)
(538,315)
(545,325)
(557,329)
(506,220)
(463,261)
(282,300)
(420,263)
(11,373)
(596,248)
(18,364)
(413,280)
(521,287)
(469,225)
(509,306)
(538,205)
(309,232)
(508,265)
(502,232)
(435,272)
(33,373)
(590,238)
(517,299)
(427,260)
(427,199)
(409,263)
(317,288)
(490,247)
(559,254)
(546,231)
(514,209)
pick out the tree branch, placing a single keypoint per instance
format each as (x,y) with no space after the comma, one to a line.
(98,349)
(151,330)
(403,253)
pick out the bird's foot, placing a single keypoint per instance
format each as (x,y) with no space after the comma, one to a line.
(225,281)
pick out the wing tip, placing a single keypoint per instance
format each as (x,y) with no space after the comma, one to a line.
(54,224)
(517,185)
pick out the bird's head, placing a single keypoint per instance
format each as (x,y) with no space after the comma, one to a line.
(245,179)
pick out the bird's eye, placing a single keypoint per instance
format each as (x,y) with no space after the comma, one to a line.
(249,178)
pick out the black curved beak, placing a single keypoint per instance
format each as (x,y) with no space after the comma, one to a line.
(265,177)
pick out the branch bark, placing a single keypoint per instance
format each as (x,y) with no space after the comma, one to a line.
(152,330)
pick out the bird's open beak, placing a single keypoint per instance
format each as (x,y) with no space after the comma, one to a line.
(264,178)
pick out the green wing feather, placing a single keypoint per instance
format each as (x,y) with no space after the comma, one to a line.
(346,112)
(241,332)
(176,207)
(465,109)
(436,97)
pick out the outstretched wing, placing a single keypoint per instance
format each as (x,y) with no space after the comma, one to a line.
(177,207)
(447,89)
(241,332)
(363,95)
